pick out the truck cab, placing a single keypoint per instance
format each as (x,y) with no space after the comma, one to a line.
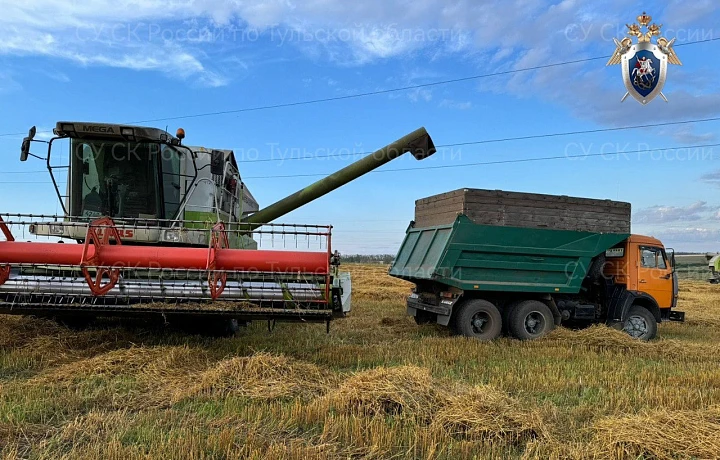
(647,269)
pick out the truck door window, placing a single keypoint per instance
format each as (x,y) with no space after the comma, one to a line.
(652,258)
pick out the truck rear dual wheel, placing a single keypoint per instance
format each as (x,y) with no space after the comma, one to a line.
(530,319)
(478,319)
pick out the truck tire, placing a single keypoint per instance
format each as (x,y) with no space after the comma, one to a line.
(595,272)
(530,319)
(478,319)
(506,310)
(640,323)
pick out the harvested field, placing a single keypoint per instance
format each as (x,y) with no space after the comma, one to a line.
(378,386)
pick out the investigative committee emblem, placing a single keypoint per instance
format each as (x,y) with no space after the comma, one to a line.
(644,64)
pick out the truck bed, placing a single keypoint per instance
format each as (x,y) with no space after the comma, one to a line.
(470,256)
(526,210)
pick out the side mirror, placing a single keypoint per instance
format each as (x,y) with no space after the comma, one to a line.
(674,266)
(671,255)
(25,147)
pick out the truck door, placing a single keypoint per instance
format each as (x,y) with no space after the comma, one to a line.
(655,275)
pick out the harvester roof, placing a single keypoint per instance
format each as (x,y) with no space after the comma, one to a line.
(92,130)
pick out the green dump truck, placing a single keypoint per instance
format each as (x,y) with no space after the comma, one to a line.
(486,262)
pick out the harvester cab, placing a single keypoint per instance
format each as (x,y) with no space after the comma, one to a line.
(206,249)
(137,175)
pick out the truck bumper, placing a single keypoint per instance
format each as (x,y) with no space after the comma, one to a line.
(678,316)
(415,302)
(443,310)
(672,315)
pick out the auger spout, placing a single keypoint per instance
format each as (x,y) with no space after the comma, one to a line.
(419,143)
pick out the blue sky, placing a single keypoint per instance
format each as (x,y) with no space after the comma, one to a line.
(126,61)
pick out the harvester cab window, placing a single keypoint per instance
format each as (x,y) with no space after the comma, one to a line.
(116,179)
(171,180)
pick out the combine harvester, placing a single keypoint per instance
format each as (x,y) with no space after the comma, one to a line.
(157,228)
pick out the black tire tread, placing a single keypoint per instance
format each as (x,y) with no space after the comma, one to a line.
(467,309)
(516,325)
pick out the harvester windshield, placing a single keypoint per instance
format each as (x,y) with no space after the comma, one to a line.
(124,179)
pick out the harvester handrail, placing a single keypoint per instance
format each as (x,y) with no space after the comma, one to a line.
(154,223)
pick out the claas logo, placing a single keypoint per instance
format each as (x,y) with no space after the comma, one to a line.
(127,233)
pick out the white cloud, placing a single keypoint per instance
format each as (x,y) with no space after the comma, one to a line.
(420,94)
(457,105)
(8,83)
(494,34)
(691,235)
(711,178)
(663,214)
(686,134)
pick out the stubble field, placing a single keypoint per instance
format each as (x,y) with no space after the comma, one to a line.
(377,386)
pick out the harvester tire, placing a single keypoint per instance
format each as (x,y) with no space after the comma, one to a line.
(75,322)
(530,319)
(640,323)
(208,326)
(223,327)
(478,319)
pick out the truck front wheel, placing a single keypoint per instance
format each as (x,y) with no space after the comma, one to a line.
(478,319)
(640,323)
(530,320)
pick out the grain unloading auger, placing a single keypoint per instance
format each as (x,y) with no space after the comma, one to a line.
(162,228)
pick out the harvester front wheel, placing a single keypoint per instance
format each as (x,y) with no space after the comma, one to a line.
(75,322)
(478,319)
(207,326)
(530,319)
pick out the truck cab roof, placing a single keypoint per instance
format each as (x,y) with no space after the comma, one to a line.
(648,240)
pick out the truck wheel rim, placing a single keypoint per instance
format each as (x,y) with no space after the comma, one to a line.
(534,323)
(478,322)
(636,326)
